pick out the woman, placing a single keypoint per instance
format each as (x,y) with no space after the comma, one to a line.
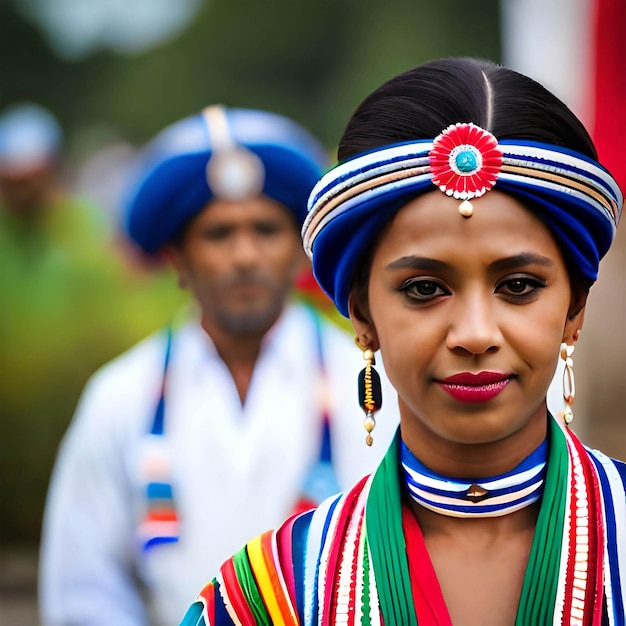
(486,510)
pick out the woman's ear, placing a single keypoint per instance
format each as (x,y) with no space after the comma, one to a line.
(573,326)
(362,322)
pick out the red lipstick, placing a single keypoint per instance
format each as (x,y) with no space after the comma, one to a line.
(480,387)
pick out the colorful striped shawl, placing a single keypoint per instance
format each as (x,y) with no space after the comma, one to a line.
(346,561)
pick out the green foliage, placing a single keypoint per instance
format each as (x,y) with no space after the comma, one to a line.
(70,302)
(313,61)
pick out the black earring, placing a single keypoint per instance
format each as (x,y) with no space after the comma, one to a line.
(370,392)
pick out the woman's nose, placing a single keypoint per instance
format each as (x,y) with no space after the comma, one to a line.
(473,325)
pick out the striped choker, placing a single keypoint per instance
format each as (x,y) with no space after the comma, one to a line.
(489,497)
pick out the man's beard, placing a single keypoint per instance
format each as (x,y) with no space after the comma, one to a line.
(257,319)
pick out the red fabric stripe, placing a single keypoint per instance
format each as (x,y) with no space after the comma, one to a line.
(285,548)
(609,129)
(302,506)
(430,605)
(337,543)
(595,579)
(162,515)
(352,602)
(569,574)
(207,595)
(235,594)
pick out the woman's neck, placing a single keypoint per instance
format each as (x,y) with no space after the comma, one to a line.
(473,460)
(473,530)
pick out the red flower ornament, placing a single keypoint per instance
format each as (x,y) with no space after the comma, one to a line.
(465,161)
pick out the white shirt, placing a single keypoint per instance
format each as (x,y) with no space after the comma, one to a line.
(236,471)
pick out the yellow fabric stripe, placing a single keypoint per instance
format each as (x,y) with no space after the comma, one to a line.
(264,579)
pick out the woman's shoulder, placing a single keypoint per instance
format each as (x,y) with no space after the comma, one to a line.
(611,473)
(606,460)
(621,469)
(274,577)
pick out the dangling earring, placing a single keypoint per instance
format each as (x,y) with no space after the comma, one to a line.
(569,388)
(370,393)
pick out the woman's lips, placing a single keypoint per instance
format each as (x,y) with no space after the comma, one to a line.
(480,387)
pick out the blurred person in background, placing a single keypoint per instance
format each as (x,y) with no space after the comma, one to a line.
(36,212)
(227,420)
(69,304)
(30,141)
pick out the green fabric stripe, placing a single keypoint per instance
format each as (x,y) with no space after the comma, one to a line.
(388,548)
(538,597)
(246,579)
(366,599)
(383,527)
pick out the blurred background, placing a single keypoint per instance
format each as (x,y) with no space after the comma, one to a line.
(98,78)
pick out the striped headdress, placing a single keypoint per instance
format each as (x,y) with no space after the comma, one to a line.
(574,195)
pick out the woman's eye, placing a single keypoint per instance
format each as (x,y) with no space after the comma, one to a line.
(520,286)
(422,289)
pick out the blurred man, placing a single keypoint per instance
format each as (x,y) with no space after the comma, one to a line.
(220,426)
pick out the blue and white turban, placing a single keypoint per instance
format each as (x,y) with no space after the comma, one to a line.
(574,195)
(225,153)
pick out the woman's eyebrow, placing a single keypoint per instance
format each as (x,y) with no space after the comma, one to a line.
(418,263)
(521,260)
(425,263)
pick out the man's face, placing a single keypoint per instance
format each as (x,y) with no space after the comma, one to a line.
(240,260)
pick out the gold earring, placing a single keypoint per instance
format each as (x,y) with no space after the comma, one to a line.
(370,392)
(569,388)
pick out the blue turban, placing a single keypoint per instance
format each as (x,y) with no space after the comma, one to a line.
(574,195)
(172,186)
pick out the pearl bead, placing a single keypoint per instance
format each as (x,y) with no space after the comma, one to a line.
(466,209)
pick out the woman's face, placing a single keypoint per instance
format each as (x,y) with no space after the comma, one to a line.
(468,314)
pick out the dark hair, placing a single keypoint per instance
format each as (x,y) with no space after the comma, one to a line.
(420,103)
(423,101)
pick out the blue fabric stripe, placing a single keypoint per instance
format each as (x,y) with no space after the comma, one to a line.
(193,616)
(221,614)
(453,492)
(482,507)
(157,541)
(540,455)
(552,148)
(158,421)
(329,516)
(299,536)
(379,163)
(162,491)
(611,532)
(454,488)
(569,171)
